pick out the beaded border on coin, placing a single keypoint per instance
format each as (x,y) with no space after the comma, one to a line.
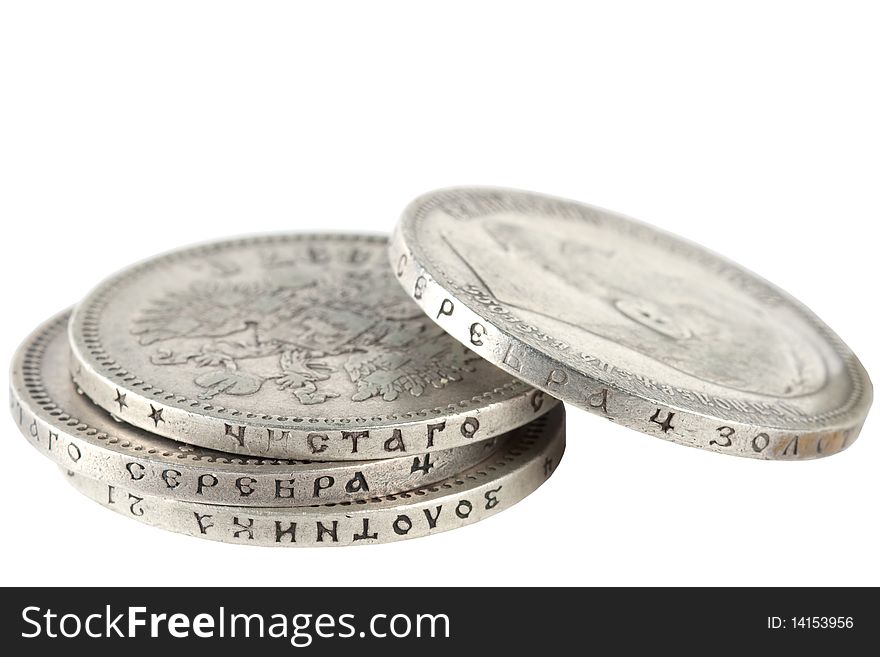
(101,378)
(74,433)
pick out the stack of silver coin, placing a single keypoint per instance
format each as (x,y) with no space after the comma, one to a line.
(279,391)
(334,389)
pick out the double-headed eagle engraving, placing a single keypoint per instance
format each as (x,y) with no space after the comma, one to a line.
(239,336)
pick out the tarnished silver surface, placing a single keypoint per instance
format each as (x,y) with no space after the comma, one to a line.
(527,461)
(631,323)
(81,437)
(289,346)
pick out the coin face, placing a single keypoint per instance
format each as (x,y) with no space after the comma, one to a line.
(81,437)
(630,322)
(528,459)
(293,346)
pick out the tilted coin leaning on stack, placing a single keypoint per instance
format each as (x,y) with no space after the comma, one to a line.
(295,390)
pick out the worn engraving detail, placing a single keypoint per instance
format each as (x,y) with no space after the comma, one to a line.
(237,337)
(274,345)
(67,428)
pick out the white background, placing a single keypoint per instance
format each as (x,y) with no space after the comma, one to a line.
(127,129)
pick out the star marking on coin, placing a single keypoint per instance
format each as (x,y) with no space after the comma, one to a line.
(120,399)
(156,415)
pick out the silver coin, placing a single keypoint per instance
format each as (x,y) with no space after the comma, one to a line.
(289,346)
(527,461)
(631,323)
(81,437)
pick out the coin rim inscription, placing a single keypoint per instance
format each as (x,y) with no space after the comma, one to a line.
(524,465)
(176,416)
(547,367)
(80,446)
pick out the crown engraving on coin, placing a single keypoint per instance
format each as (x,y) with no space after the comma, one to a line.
(292,346)
(236,338)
